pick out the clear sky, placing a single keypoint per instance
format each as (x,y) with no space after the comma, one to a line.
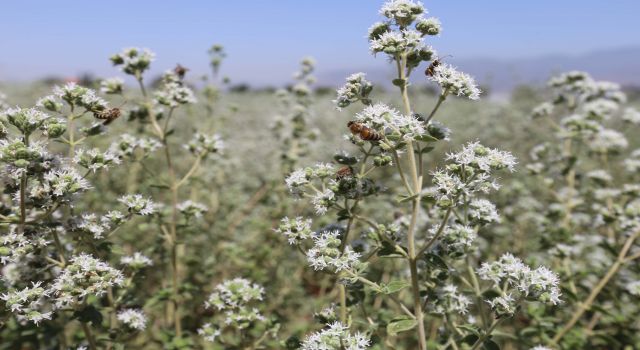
(266,39)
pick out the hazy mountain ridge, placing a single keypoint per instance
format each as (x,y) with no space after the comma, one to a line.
(617,65)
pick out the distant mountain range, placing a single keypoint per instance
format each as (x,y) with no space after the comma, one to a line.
(617,65)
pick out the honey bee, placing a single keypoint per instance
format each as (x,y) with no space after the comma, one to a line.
(180,70)
(431,70)
(364,132)
(108,115)
(344,172)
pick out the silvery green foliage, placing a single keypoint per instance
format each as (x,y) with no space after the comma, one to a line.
(590,222)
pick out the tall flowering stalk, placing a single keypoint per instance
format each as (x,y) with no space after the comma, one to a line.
(159,109)
(439,229)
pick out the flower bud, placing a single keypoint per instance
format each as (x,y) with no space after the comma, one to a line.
(429,26)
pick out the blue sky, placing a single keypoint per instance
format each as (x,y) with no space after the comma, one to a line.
(266,39)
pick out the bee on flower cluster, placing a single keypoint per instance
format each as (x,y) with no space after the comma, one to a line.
(365,132)
(431,70)
(108,115)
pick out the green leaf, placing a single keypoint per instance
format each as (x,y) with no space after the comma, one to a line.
(436,261)
(470,339)
(402,199)
(490,345)
(427,149)
(426,138)
(403,324)
(395,286)
(469,328)
(89,314)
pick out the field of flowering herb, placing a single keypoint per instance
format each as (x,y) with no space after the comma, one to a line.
(170,215)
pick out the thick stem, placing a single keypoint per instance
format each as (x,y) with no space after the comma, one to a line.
(417,188)
(23,192)
(586,304)
(343,304)
(89,335)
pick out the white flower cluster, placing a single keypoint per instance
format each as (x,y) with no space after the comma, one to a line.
(97,227)
(136,261)
(402,12)
(483,158)
(27,120)
(84,276)
(233,298)
(15,247)
(454,82)
(448,300)
(540,284)
(137,204)
(631,115)
(27,303)
(456,239)
(336,336)
(470,173)
(325,253)
(483,212)
(78,96)
(357,88)
(94,159)
(61,184)
(633,288)
(608,141)
(133,318)
(128,144)
(295,230)
(387,120)
(202,144)
(173,92)
(112,86)
(133,60)
(190,209)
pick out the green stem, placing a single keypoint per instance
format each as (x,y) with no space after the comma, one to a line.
(89,335)
(486,334)
(586,304)
(417,188)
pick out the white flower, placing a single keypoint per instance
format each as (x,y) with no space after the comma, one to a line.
(133,318)
(402,12)
(133,60)
(64,182)
(203,145)
(94,159)
(84,276)
(454,82)
(631,115)
(335,337)
(296,179)
(138,204)
(483,211)
(325,253)
(190,208)
(174,94)
(633,288)
(449,300)
(608,140)
(295,230)
(136,261)
(111,85)
(27,303)
(322,201)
